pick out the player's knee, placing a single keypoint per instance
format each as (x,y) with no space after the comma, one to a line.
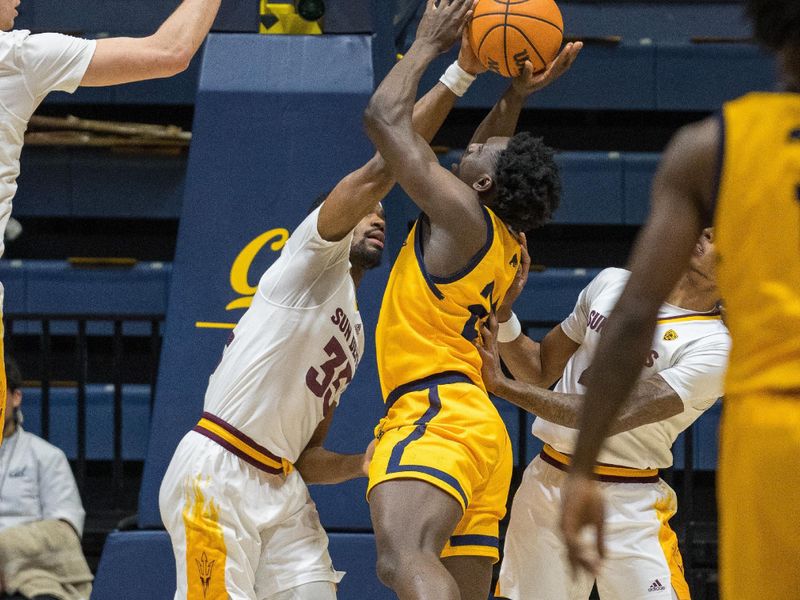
(395,564)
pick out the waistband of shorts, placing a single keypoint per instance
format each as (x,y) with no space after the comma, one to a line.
(425,383)
(606,473)
(234,441)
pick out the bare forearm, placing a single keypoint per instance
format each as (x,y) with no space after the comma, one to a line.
(392,103)
(502,119)
(188,26)
(523,358)
(320,466)
(652,400)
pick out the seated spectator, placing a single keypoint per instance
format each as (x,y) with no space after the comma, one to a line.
(41,515)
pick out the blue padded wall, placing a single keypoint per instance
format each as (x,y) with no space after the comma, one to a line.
(277,121)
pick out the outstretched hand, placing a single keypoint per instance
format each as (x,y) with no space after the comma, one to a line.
(491,371)
(444,22)
(582,520)
(520,279)
(529,82)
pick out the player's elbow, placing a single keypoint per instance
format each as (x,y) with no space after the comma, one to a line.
(177,59)
(167,60)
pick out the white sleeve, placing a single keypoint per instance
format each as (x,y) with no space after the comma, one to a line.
(58,491)
(53,62)
(309,269)
(698,374)
(574,326)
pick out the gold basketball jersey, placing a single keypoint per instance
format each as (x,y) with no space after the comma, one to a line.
(427,324)
(758,239)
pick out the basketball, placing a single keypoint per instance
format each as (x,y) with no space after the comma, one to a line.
(506,33)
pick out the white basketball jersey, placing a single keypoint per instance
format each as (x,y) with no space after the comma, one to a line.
(690,351)
(295,350)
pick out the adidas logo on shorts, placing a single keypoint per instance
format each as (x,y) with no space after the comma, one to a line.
(656,586)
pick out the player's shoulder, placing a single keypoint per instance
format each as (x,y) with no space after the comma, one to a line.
(700,335)
(611,278)
(9,41)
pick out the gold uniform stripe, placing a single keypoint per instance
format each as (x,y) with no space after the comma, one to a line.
(239,444)
(690,318)
(601,469)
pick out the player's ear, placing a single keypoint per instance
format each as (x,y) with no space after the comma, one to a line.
(483,184)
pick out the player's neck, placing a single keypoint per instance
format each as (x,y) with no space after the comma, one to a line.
(9,429)
(695,293)
(356,273)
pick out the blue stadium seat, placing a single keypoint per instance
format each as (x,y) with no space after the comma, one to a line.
(94,183)
(139,565)
(56,287)
(136,565)
(99,419)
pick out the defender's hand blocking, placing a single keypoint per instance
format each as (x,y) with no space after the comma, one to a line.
(491,372)
(582,520)
(520,279)
(529,82)
(444,22)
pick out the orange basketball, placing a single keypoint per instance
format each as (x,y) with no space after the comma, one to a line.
(506,33)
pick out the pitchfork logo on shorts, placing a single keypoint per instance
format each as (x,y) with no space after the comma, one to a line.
(205,567)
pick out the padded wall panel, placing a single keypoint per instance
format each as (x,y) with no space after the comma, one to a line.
(638,170)
(592,188)
(277,121)
(551,294)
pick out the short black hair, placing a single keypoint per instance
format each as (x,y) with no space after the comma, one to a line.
(776,23)
(528,183)
(13,375)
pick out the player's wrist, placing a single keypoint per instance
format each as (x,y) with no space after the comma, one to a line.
(509,330)
(457,79)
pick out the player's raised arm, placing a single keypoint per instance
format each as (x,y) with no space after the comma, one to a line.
(502,119)
(448,202)
(356,194)
(681,198)
(165,53)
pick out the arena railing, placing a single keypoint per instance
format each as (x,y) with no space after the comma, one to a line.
(42,325)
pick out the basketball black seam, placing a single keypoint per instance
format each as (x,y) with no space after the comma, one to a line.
(561,31)
(485,35)
(532,45)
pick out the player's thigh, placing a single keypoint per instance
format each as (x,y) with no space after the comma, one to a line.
(535,565)
(411,515)
(294,552)
(215,544)
(759,497)
(317,590)
(642,556)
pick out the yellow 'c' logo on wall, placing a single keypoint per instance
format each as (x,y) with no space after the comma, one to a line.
(241,266)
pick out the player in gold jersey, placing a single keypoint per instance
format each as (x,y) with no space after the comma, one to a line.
(442,466)
(743,170)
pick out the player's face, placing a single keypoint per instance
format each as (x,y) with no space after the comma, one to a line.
(704,256)
(480,160)
(8,12)
(366,249)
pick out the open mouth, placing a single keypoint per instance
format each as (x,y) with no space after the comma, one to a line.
(699,250)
